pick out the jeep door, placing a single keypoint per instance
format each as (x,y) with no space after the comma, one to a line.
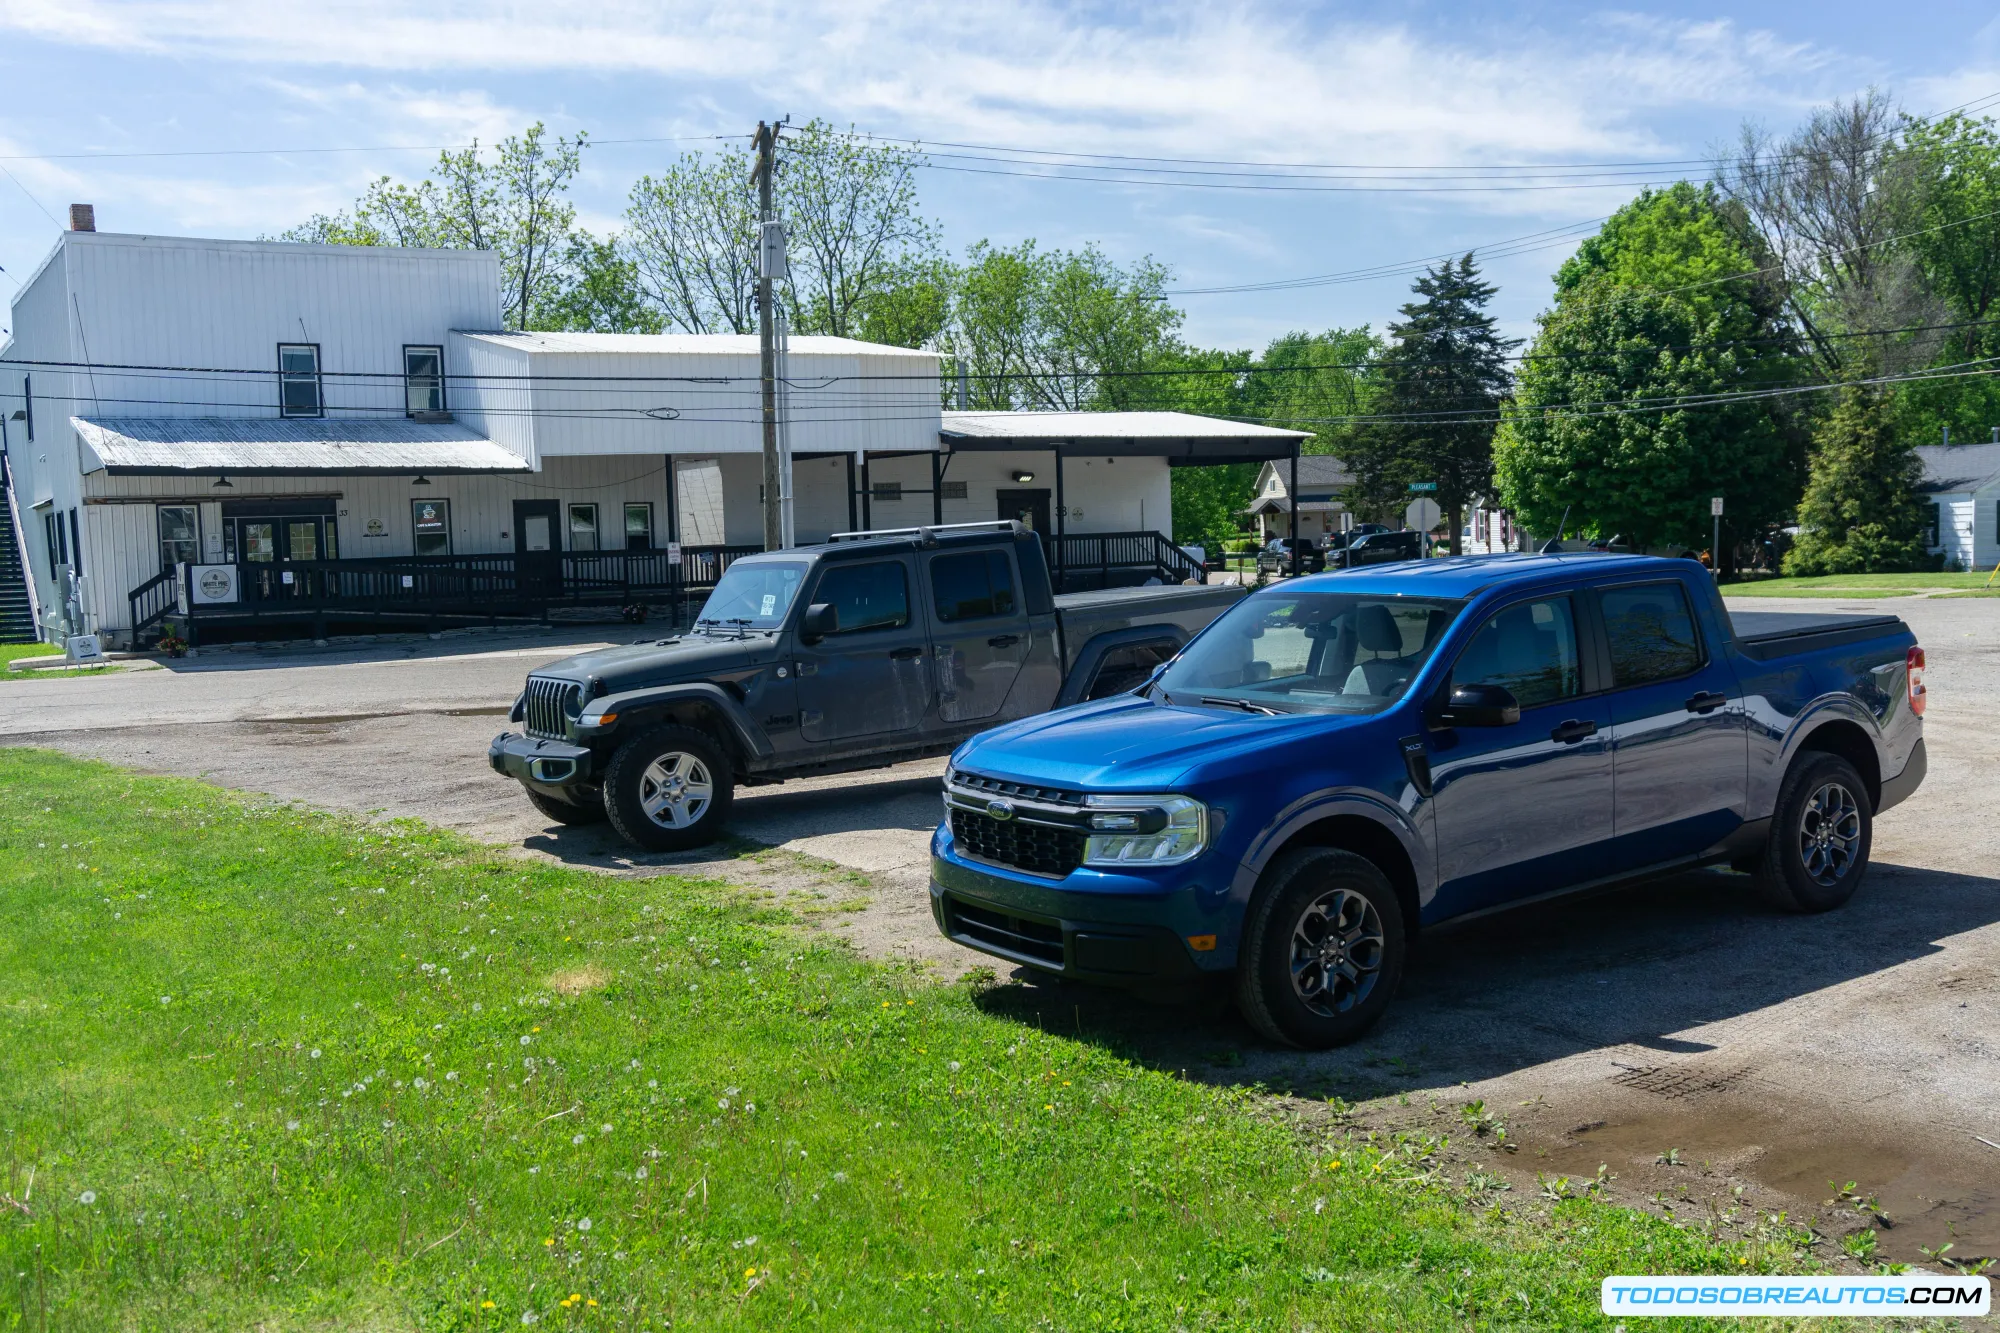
(869,678)
(980,631)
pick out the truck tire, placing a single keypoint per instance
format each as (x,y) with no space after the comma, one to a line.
(560,811)
(1821,834)
(669,788)
(1323,949)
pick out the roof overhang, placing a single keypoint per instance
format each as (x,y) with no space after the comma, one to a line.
(1184,439)
(286,447)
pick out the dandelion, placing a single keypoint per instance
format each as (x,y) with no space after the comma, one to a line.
(584,1225)
(550,1241)
(640,1174)
(388,1124)
(87,1198)
(451,1076)
(534,1170)
(315,1052)
(291,1125)
(529,1317)
(486,1305)
(525,1040)
(166,999)
(954,1066)
(652,1083)
(604,1129)
(749,1106)
(577,1139)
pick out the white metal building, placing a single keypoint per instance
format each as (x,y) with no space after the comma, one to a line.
(1962,484)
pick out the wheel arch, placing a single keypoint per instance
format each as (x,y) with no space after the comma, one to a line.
(1847,739)
(705,707)
(1353,827)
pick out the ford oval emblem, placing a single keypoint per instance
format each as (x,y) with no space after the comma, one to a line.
(1002,810)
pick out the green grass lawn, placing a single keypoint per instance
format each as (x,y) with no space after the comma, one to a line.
(261,1067)
(13,652)
(1862,585)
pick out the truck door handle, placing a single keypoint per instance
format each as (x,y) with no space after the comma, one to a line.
(1003,641)
(905,654)
(1569,733)
(1706,702)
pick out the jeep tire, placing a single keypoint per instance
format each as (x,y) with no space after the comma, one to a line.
(1821,834)
(1323,948)
(669,788)
(589,810)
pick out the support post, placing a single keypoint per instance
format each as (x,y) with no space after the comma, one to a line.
(1062,521)
(867,495)
(937,490)
(853,519)
(767,340)
(1295,508)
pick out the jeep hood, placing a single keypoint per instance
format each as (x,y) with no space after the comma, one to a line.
(664,662)
(1131,744)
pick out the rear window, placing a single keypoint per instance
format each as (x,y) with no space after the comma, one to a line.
(973,585)
(1651,630)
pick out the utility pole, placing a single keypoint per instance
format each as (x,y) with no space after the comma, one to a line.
(767,335)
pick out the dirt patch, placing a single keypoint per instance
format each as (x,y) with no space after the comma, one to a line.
(578,980)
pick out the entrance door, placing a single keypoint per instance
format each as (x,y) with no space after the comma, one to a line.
(1523,809)
(1029,507)
(868,678)
(980,632)
(538,549)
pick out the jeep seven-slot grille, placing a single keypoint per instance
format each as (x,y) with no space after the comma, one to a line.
(549,702)
(1008,933)
(1035,848)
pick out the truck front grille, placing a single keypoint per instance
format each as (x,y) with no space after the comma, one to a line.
(549,705)
(1007,933)
(1035,848)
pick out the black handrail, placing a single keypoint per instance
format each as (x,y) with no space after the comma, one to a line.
(152,600)
(1120,559)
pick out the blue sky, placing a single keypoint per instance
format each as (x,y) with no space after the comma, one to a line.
(1453,86)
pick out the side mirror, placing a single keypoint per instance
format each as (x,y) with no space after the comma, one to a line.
(819,621)
(1483,706)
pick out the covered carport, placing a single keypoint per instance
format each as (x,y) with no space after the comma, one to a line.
(1180,439)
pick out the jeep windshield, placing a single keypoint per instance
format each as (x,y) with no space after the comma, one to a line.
(753,594)
(1309,652)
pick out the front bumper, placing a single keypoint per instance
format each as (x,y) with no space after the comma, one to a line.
(538,762)
(1110,938)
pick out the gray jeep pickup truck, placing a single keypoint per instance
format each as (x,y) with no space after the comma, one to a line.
(870,649)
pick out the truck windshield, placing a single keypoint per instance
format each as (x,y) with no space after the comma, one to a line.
(1310,652)
(754,594)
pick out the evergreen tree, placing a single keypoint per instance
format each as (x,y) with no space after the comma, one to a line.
(1441,382)
(1861,513)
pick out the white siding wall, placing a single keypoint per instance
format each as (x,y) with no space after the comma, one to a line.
(1103,495)
(492,398)
(45,467)
(1957,529)
(1985,524)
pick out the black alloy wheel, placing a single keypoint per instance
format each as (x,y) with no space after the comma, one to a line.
(1821,834)
(1323,948)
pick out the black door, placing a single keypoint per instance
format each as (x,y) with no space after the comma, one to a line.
(1029,507)
(980,633)
(870,678)
(1523,809)
(538,549)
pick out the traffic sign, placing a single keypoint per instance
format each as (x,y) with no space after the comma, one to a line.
(1418,486)
(1715,506)
(1422,515)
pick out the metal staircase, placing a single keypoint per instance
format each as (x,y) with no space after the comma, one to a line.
(17,602)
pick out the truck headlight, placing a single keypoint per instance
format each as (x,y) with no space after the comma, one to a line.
(1144,830)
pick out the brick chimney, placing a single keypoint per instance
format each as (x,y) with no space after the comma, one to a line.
(82,217)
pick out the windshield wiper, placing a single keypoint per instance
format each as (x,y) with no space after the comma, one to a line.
(1244,704)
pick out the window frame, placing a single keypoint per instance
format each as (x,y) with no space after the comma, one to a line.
(438,389)
(289,377)
(1592,674)
(416,536)
(647,506)
(902,568)
(596,528)
(159,531)
(1601,630)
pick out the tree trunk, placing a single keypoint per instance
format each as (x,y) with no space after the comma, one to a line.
(1452,516)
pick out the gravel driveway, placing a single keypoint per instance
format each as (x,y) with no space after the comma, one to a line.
(1775,1054)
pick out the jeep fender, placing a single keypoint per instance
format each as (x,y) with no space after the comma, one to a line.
(1091,656)
(639,707)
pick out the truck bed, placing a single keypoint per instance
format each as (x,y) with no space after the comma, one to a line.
(1113,602)
(1768,634)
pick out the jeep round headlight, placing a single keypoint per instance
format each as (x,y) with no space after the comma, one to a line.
(1144,831)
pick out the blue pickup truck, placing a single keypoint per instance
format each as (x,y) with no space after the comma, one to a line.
(1341,761)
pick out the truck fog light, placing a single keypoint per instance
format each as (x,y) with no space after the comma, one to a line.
(1145,830)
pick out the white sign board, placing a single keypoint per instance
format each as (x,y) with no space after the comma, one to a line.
(212,584)
(1715,507)
(1422,515)
(83,648)
(673,553)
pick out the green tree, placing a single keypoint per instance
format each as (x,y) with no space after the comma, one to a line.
(1614,416)
(1441,381)
(601,290)
(852,226)
(692,234)
(1861,513)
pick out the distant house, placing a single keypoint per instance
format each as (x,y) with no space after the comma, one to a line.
(1322,479)
(1962,484)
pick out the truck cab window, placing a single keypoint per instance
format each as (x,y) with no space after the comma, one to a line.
(1530,649)
(1652,633)
(865,597)
(973,585)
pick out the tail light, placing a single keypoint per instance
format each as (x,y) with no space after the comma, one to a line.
(1913,667)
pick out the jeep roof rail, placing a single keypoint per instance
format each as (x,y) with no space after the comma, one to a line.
(929,532)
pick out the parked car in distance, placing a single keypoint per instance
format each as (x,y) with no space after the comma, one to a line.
(1276,557)
(1339,763)
(1379,548)
(1337,540)
(856,653)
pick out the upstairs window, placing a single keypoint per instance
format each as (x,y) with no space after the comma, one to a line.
(298,380)
(423,379)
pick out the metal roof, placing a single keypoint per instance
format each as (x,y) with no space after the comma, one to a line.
(1958,467)
(254,446)
(1180,437)
(684,344)
(1278,504)
(1316,471)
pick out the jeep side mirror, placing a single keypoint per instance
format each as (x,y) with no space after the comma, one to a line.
(819,621)
(1483,706)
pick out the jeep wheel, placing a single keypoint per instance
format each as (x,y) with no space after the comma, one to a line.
(1820,836)
(1323,949)
(588,811)
(669,789)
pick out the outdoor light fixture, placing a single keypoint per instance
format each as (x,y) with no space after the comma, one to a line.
(421,480)
(221,480)
(1024,476)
